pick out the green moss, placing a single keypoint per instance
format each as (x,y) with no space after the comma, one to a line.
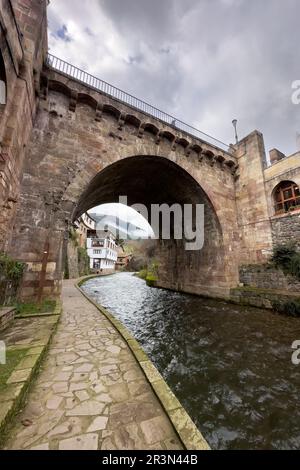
(74,237)
(150,274)
(13,357)
(255,290)
(143,274)
(83,262)
(47,306)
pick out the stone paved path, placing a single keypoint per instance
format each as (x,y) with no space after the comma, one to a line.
(91,393)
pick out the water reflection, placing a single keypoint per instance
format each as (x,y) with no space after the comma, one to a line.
(230,366)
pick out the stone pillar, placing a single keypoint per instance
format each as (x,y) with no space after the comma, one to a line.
(252,208)
(23,44)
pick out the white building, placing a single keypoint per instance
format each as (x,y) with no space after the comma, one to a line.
(102,251)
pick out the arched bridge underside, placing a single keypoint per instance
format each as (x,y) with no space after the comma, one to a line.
(87,149)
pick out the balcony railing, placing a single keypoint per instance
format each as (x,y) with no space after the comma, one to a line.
(110,90)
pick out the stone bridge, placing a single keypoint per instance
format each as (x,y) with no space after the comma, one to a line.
(88,148)
(79,142)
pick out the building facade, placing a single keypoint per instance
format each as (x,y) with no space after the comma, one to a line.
(102,251)
(86,228)
(123,259)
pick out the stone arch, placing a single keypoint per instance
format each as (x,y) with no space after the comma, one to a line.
(150,128)
(151,180)
(133,120)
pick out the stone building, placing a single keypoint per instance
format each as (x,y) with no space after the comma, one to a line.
(69,142)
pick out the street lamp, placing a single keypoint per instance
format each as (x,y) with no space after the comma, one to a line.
(234,123)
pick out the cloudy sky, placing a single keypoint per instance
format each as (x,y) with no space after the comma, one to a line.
(204,61)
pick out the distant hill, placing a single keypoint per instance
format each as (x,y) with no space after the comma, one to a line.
(119,227)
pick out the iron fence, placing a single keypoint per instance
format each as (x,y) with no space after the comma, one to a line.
(114,92)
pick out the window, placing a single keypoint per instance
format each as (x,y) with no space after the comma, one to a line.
(98,243)
(286,197)
(2,81)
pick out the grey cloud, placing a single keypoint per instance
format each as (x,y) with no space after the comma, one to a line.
(205,61)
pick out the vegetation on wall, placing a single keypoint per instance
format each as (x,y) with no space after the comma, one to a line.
(150,274)
(78,260)
(11,273)
(10,269)
(74,236)
(83,262)
(287,258)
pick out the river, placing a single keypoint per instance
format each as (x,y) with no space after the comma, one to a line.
(230,366)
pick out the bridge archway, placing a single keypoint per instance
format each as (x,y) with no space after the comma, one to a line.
(156,180)
(86,150)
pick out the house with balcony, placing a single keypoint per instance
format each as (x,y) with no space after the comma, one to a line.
(102,251)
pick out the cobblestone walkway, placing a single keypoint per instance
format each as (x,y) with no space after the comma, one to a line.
(91,393)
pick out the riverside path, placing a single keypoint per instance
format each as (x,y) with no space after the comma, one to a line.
(91,393)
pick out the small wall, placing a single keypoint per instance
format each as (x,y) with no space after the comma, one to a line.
(9,291)
(7,316)
(286,228)
(266,276)
(261,298)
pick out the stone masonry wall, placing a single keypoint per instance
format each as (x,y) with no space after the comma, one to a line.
(286,229)
(252,208)
(268,277)
(72,260)
(23,45)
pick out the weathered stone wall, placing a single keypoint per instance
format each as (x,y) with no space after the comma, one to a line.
(286,229)
(262,298)
(23,45)
(268,277)
(7,317)
(9,291)
(253,217)
(72,260)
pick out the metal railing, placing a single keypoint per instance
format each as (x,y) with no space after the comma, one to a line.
(100,85)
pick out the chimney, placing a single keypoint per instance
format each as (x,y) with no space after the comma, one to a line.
(276,156)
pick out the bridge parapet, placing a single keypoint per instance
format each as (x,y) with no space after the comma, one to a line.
(81,87)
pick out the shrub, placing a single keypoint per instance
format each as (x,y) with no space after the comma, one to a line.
(290,308)
(143,274)
(10,269)
(287,258)
(74,237)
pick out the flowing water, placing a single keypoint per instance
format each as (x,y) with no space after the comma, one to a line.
(230,366)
